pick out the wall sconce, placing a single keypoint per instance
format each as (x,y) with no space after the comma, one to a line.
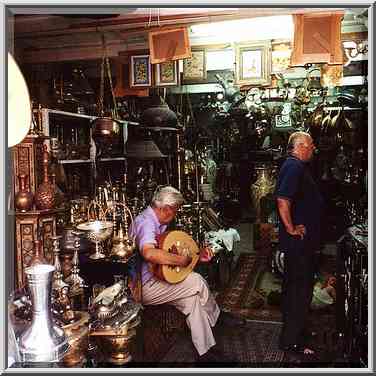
(353,49)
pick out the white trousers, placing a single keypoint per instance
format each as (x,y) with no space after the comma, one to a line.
(192,297)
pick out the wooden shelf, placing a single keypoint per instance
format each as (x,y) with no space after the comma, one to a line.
(65,113)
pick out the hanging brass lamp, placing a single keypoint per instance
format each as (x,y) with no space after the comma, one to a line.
(106,129)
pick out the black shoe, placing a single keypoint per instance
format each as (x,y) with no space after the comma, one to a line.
(228,319)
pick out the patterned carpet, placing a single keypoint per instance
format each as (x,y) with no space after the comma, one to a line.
(252,346)
(243,297)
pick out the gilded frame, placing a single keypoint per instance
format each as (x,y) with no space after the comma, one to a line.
(167,73)
(253,63)
(140,71)
(194,68)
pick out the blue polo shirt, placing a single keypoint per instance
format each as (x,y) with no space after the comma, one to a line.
(296,184)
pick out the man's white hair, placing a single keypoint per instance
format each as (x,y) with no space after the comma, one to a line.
(167,196)
(297,138)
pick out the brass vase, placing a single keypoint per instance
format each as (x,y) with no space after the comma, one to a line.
(45,195)
(264,185)
(24,198)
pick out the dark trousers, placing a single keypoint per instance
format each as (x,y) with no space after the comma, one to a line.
(297,289)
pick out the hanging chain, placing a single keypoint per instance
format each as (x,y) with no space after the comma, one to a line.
(111,87)
(101,90)
(106,65)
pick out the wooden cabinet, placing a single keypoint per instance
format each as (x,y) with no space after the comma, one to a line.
(27,160)
(32,225)
(317,39)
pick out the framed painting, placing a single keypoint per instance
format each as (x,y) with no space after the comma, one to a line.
(140,71)
(194,68)
(281,57)
(167,74)
(253,64)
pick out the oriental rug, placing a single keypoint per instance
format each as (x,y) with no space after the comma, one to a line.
(244,297)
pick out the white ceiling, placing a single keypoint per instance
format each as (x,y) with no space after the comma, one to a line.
(54,36)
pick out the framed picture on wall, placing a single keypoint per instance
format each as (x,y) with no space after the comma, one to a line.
(167,74)
(253,64)
(140,71)
(194,68)
(281,57)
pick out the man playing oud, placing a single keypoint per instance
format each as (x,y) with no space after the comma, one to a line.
(190,296)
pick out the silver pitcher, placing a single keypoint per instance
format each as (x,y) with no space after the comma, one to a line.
(42,341)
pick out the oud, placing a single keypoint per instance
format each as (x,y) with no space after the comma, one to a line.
(178,242)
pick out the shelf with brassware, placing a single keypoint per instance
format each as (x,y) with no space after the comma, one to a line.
(72,145)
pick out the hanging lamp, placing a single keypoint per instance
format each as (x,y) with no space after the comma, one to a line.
(106,129)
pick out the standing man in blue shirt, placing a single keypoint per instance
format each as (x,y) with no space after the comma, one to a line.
(299,204)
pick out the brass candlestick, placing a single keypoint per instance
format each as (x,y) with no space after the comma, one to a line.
(57,281)
(74,280)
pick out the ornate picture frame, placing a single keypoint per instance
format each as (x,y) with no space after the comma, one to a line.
(281,57)
(253,63)
(167,74)
(140,71)
(194,68)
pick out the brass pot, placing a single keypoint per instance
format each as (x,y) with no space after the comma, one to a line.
(105,128)
(119,347)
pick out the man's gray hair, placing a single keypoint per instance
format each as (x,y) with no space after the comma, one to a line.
(297,138)
(167,195)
